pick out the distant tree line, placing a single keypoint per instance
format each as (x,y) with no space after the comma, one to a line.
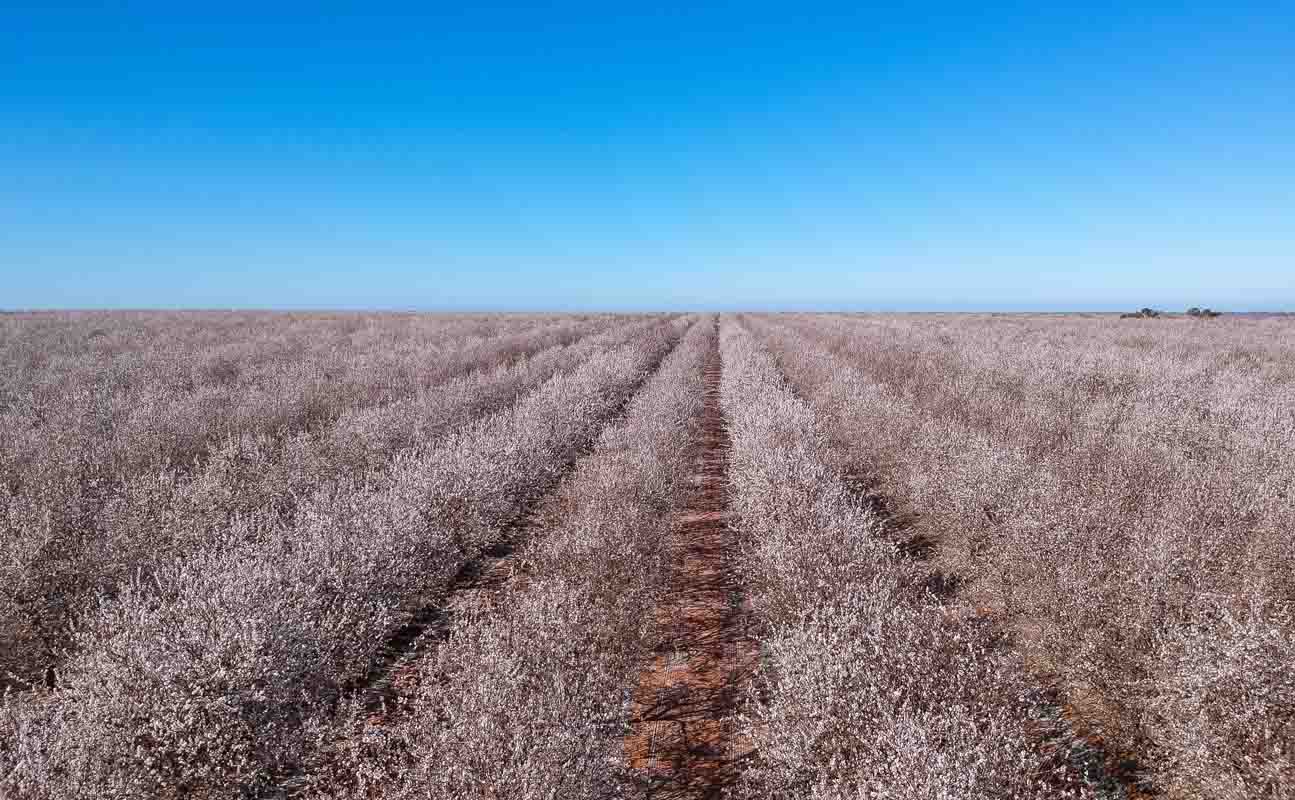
(1151,313)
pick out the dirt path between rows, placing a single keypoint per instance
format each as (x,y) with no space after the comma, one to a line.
(682,742)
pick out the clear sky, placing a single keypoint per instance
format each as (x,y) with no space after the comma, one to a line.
(577,156)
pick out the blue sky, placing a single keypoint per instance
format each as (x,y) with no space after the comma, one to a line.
(576,156)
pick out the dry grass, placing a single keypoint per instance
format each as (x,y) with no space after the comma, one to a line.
(208,674)
(1117,497)
(528,696)
(125,444)
(869,688)
(969,545)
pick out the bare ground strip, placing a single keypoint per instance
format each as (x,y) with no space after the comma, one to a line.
(682,741)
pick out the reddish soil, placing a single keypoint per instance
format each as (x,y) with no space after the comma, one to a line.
(682,742)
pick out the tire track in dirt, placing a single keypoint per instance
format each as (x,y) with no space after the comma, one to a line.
(682,741)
